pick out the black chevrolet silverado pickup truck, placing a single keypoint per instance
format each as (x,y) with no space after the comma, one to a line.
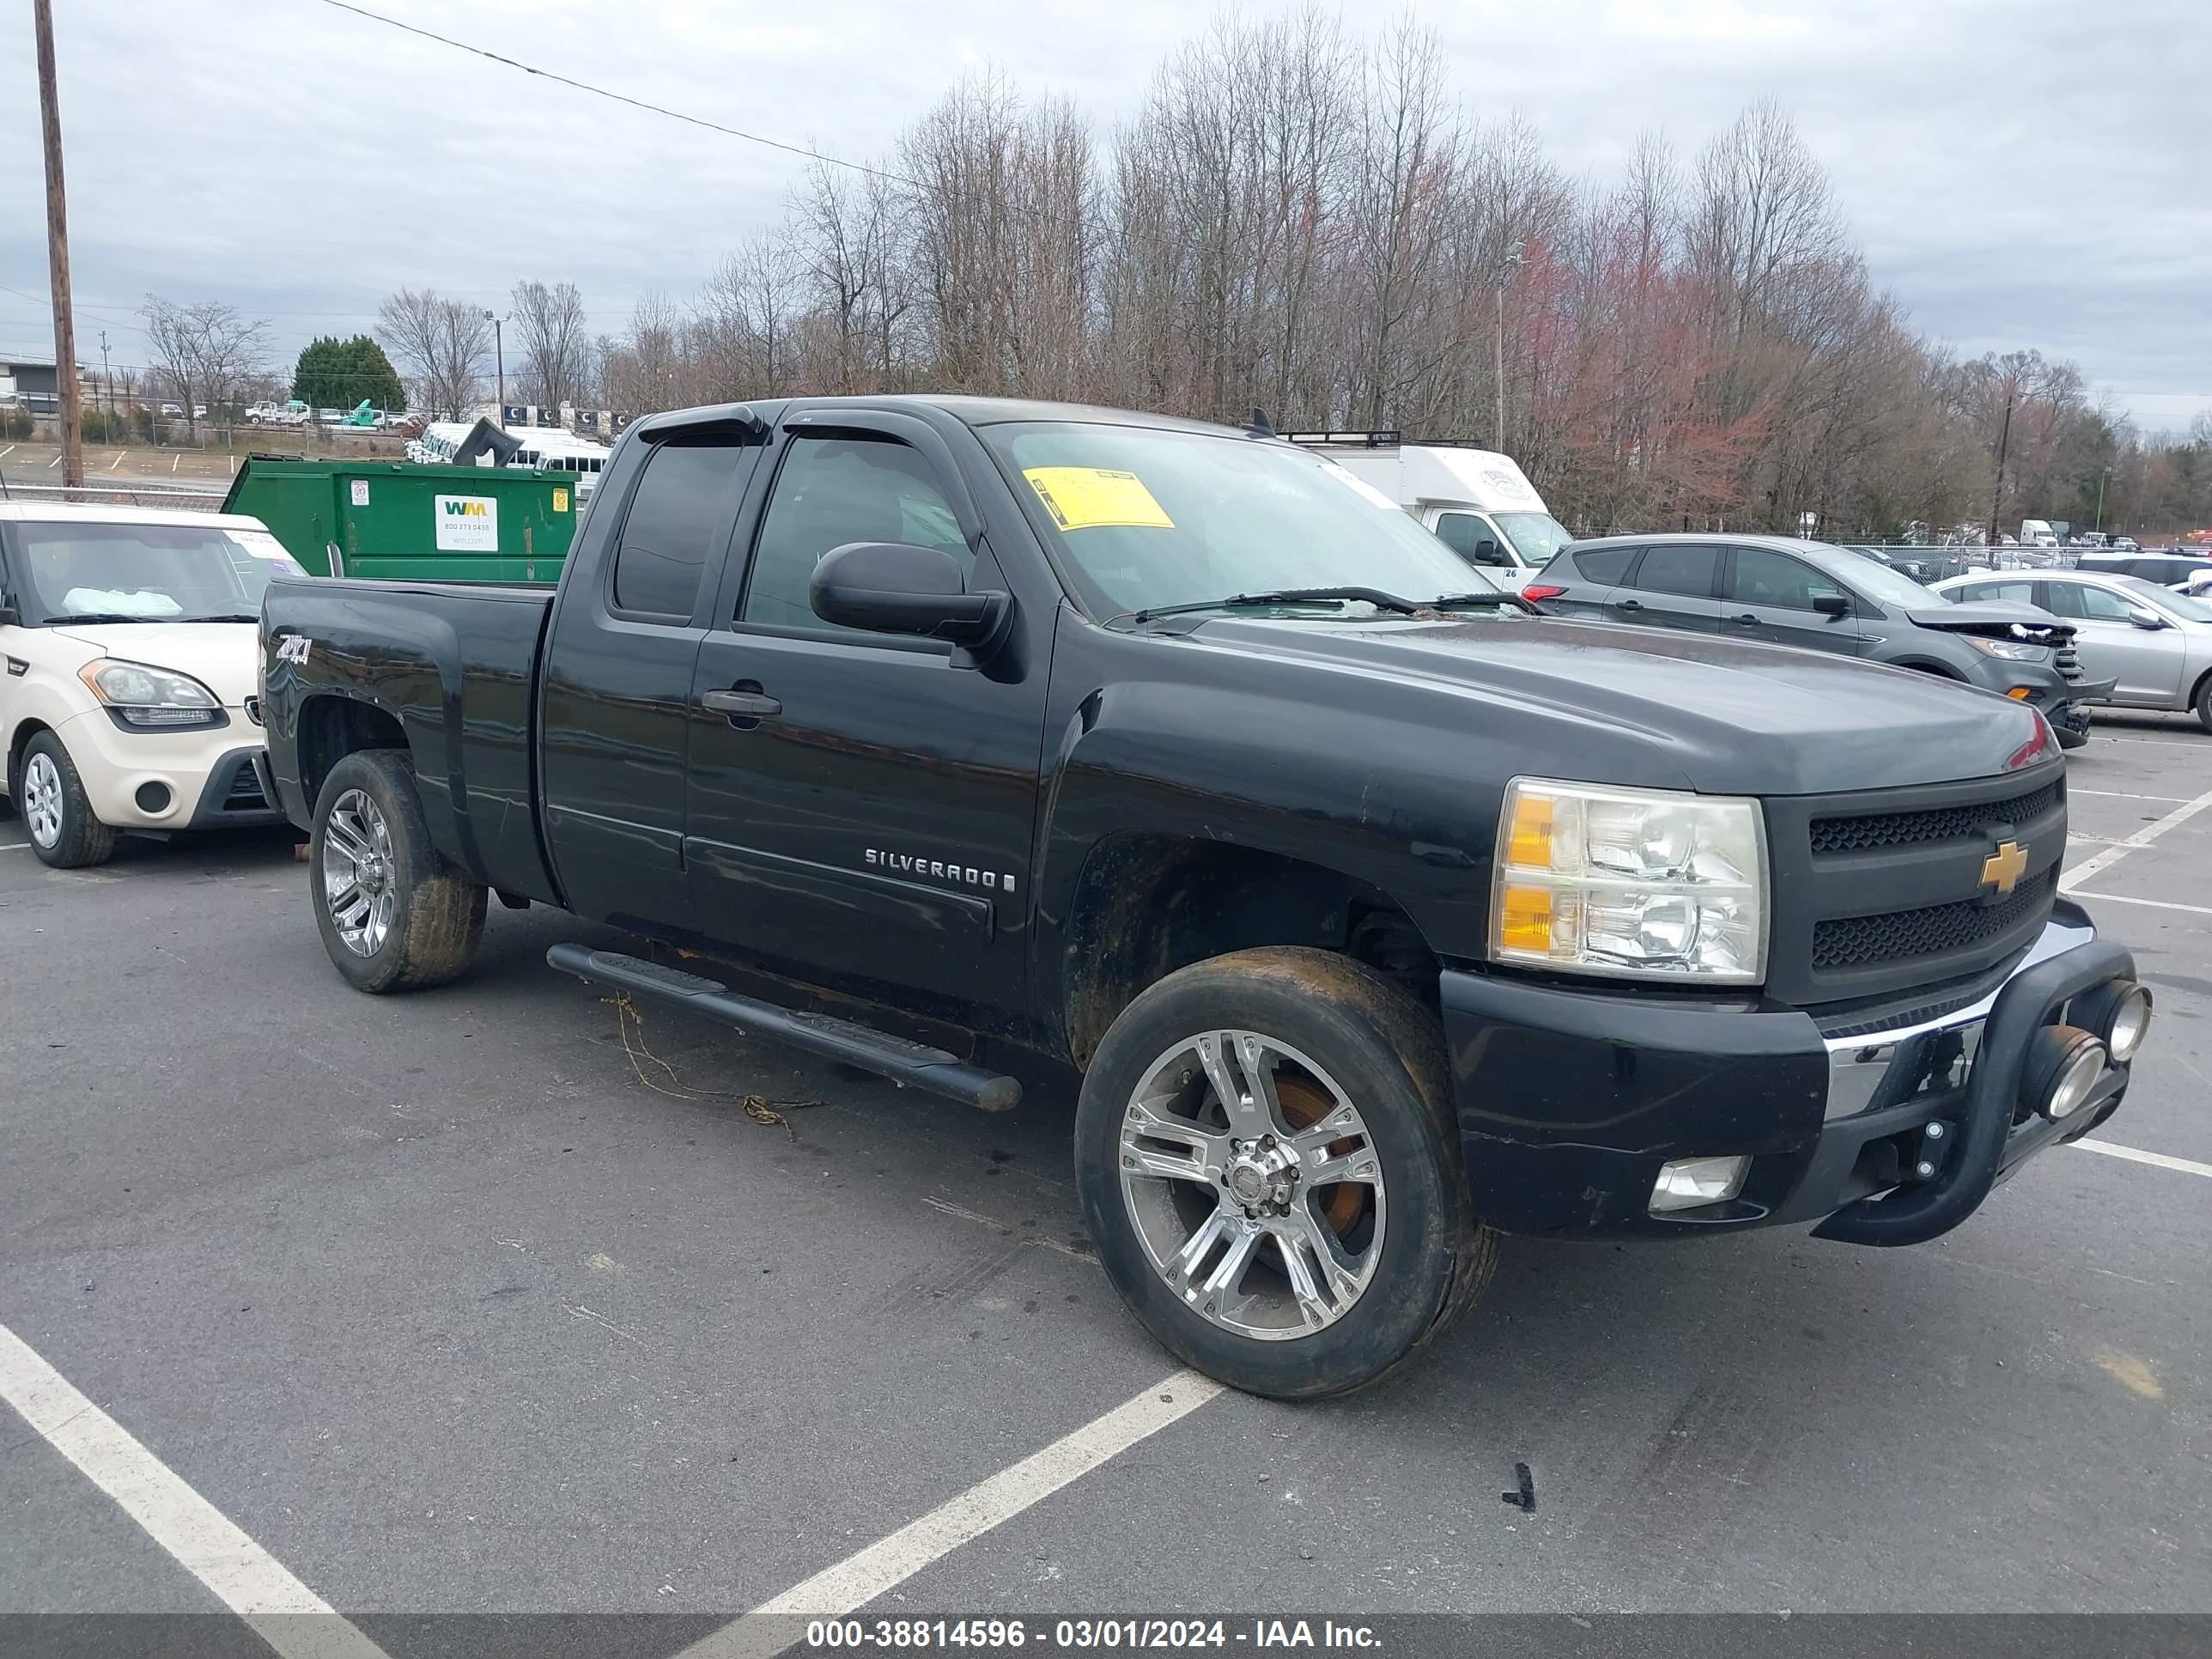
(1379,915)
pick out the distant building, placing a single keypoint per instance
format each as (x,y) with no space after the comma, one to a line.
(32,382)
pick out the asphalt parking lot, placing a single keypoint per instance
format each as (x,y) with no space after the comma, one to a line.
(448,1311)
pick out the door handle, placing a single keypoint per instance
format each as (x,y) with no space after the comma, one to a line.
(742,705)
(1631,605)
(1747,619)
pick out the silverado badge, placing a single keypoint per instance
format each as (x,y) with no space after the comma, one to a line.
(2003,868)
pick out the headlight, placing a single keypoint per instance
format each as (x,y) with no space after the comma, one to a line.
(152,698)
(2010,650)
(1650,883)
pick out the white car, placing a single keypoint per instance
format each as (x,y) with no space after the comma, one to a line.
(2154,645)
(132,640)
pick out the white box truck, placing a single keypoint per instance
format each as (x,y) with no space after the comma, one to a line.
(1477,502)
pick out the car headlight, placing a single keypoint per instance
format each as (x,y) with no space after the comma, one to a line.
(152,699)
(2010,650)
(1649,884)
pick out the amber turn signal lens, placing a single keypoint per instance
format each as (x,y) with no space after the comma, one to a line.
(1526,921)
(1531,847)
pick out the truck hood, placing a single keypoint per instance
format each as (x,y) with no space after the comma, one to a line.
(1992,619)
(1733,718)
(224,657)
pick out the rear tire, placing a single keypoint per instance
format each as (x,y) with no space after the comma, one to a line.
(2205,702)
(64,829)
(394,915)
(1204,1216)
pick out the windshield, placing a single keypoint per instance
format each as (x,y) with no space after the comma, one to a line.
(2160,598)
(1884,586)
(1141,518)
(139,572)
(1535,536)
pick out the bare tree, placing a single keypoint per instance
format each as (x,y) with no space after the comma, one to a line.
(748,316)
(440,342)
(202,351)
(550,328)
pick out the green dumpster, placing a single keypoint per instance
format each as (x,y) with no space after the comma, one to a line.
(399,521)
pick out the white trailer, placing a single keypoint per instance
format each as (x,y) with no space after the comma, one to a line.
(1477,502)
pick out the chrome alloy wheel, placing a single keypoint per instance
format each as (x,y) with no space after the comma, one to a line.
(359,879)
(1252,1184)
(42,800)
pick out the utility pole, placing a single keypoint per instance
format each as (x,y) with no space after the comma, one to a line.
(49,111)
(2104,476)
(107,379)
(1497,341)
(499,357)
(2004,443)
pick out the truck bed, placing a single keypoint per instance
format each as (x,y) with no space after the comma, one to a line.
(457,663)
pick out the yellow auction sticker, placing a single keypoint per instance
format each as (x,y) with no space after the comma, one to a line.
(1094,497)
(560,499)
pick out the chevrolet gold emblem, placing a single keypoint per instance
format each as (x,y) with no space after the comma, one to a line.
(2003,868)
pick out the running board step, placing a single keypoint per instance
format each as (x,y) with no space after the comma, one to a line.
(914,1063)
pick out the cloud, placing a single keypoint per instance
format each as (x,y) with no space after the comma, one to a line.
(2021,174)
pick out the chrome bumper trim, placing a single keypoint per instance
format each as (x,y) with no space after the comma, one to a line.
(1859,1065)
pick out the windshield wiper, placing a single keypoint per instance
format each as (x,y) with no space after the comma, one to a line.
(101,616)
(224,616)
(1455,601)
(1374,596)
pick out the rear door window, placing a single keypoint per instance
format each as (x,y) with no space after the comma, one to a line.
(1675,568)
(678,517)
(1605,565)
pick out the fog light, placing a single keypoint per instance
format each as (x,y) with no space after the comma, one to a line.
(2117,1010)
(152,798)
(1688,1183)
(2064,1065)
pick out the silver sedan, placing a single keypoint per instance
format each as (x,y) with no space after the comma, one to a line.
(2156,645)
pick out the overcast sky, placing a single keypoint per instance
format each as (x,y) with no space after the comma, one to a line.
(2037,172)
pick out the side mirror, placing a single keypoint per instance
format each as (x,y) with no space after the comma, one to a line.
(896,587)
(9,616)
(1831,604)
(2149,621)
(1485,552)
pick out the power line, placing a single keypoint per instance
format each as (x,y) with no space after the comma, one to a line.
(619,98)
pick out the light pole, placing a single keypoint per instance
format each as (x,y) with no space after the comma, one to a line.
(499,357)
(1505,271)
(2103,474)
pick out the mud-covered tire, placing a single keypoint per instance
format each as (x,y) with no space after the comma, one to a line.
(57,817)
(435,917)
(1386,1053)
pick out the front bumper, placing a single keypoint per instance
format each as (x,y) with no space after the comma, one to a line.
(1569,1100)
(200,780)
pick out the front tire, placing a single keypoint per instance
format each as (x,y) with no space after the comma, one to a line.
(64,829)
(2205,702)
(394,916)
(1271,1173)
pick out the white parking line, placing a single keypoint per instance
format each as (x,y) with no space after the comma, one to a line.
(117,461)
(2122,794)
(2136,1155)
(859,1578)
(249,1581)
(5,454)
(2155,904)
(2141,838)
(54,463)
